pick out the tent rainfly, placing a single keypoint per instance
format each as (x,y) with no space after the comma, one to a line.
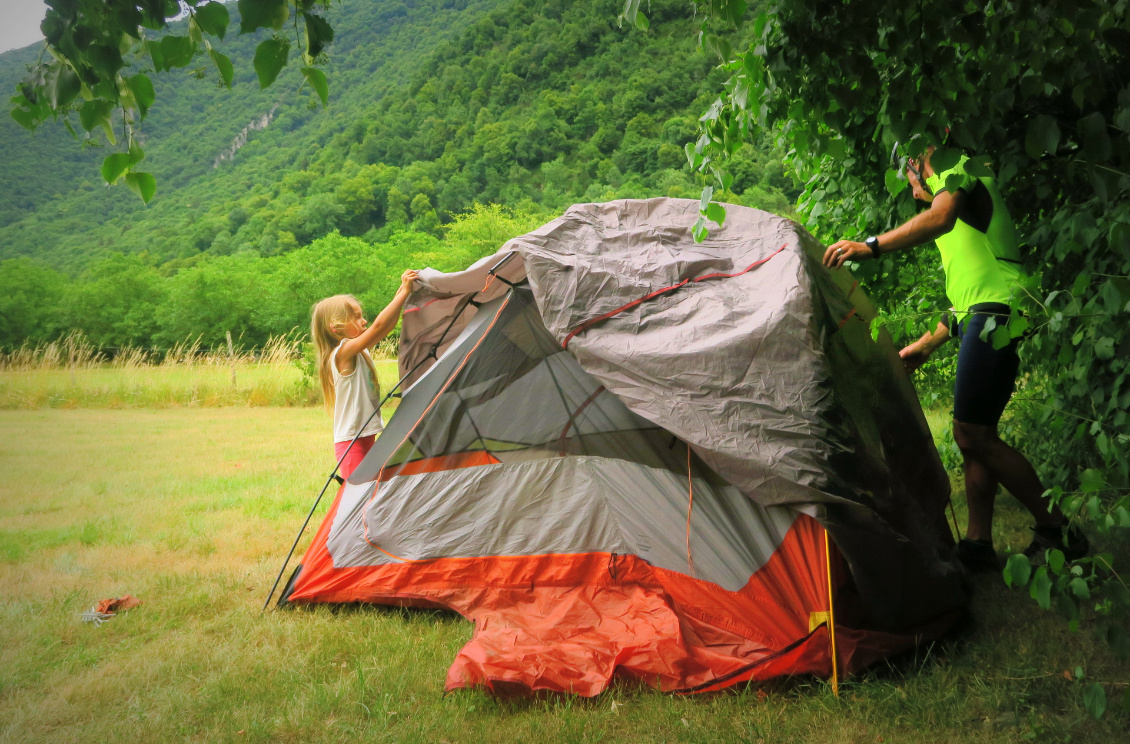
(624,452)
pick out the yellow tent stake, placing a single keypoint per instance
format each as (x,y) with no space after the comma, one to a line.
(831,616)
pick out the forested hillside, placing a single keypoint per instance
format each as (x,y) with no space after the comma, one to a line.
(434,106)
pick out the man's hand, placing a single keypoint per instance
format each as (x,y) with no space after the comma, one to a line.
(914,356)
(845,250)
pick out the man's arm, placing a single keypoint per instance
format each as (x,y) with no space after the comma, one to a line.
(938,220)
(915,355)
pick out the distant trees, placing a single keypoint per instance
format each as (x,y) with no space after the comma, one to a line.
(126,300)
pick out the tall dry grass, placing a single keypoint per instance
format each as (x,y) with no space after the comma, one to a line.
(73,373)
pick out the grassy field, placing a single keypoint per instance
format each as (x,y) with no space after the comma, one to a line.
(192,510)
(202,383)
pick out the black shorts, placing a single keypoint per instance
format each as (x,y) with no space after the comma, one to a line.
(986,376)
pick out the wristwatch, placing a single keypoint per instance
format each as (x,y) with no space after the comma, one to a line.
(873,244)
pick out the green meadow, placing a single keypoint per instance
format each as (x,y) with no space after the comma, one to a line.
(191,508)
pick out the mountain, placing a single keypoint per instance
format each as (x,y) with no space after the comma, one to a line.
(435,106)
(454,101)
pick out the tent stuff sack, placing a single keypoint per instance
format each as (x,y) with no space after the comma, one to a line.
(629,454)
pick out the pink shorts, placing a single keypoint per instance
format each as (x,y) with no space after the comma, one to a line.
(356,454)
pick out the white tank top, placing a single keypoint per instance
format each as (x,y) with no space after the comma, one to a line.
(355,399)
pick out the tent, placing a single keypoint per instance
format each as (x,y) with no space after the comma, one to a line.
(626,453)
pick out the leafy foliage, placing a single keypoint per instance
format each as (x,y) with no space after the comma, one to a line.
(94,46)
(1034,92)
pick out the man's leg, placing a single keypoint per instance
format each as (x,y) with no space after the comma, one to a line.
(1003,464)
(980,493)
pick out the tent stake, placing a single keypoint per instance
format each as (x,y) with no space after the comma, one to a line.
(831,616)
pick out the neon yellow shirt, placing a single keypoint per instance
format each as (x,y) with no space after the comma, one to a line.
(980,266)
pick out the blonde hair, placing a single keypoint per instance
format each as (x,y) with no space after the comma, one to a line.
(328,319)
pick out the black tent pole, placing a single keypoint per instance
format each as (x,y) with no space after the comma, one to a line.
(430,355)
(333,475)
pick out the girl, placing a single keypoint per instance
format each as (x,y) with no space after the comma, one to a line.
(346,371)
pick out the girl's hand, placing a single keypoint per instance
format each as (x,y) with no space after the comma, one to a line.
(408,280)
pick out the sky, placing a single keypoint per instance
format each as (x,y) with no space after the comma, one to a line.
(19,23)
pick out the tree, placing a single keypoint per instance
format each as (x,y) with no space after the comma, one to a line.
(98,52)
(115,302)
(1037,92)
(30,300)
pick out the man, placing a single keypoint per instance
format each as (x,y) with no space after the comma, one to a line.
(980,255)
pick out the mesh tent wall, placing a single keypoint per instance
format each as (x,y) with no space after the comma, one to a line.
(643,456)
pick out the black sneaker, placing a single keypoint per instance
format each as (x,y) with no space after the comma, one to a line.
(1073,544)
(977,556)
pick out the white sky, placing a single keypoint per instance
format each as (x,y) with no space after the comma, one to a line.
(19,23)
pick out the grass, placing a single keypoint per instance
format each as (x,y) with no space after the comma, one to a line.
(192,509)
(72,374)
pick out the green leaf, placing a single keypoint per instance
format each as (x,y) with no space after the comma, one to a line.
(153,49)
(1001,337)
(270,58)
(1094,700)
(1017,325)
(694,158)
(63,85)
(877,324)
(94,113)
(716,212)
(142,88)
(1056,561)
(105,60)
(1104,348)
(1092,480)
(1017,570)
(318,34)
(213,19)
(699,230)
(1116,592)
(704,200)
(1042,136)
(254,14)
(24,118)
(895,184)
(223,66)
(1096,141)
(114,165)
(1079,588)
(988,328)
(317,80)
(142,184)
(978,167)
(176,51)
(641,21)
(944,158)
(737,9)
(1041,588)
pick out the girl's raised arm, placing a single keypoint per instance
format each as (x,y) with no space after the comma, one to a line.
(382,324)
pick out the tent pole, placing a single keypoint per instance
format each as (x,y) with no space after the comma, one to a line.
(431,355)
(831,616)
(330,480)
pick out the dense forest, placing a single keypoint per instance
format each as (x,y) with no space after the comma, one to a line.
(434,107)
